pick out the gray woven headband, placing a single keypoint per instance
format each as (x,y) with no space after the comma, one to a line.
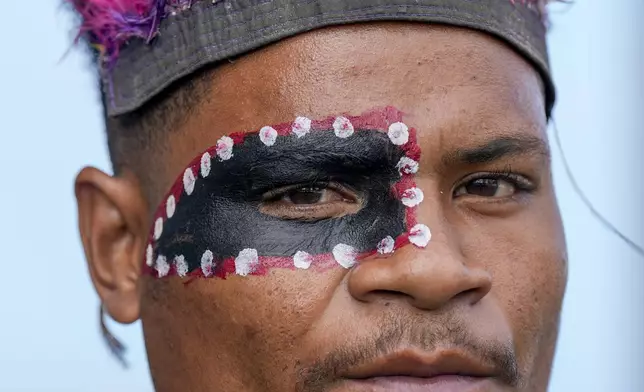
(146,51)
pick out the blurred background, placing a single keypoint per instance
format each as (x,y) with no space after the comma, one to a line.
(50,126)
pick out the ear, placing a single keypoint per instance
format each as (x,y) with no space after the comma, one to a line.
(112,215)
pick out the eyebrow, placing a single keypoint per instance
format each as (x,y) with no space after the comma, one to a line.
(318,156)
(496,149)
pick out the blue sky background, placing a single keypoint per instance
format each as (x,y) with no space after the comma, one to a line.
(50,126)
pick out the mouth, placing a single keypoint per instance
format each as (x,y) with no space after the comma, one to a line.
(414,371)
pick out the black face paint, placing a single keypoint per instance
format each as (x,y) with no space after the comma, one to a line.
(217,220)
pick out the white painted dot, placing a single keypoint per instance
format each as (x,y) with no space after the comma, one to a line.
(386,245)
(407,165)
(170,206)
(412,197)
(301,126)
(162,266)
(398,133)
(268,136)
(149,256)
(181,265)
(345,255)
(246,262)
(420,235)
(302,260)
(189,181)
(205,164)
(158,228)
(342,127)
(225,148)
(206,263)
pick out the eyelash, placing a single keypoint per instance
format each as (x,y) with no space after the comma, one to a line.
(272,202)
(520,182)
(279,192)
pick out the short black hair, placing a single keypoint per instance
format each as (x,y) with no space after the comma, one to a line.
(132,138)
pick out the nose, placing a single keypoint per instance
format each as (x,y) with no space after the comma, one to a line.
(429,278)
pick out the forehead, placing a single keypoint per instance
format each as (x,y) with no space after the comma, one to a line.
(455,85)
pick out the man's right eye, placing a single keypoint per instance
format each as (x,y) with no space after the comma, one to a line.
(310,202)
(312,195)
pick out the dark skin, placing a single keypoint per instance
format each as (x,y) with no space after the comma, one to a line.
(495,270)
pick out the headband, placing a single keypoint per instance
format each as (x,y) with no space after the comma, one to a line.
(145,45)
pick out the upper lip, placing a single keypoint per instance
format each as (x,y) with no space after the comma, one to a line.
(415,363)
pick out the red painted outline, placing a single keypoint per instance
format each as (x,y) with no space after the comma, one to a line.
(378,119)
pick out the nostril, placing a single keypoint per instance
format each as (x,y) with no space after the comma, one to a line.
(471,296)
(386,296)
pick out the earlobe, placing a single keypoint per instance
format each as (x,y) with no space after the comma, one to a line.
(112,222)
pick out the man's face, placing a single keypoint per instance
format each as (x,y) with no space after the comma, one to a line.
(477,309)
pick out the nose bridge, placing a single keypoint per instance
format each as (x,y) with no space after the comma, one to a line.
(429,277)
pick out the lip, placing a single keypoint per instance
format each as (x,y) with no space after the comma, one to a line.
(412,370)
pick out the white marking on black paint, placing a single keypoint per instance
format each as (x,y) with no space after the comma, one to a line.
(301,126)
(206,263)
(412,197)
(246,262)
(181,265)
(407,165)
(345,255)
(342,127)
(189,181)
(420,235)
(268,136)
(225,148)
(158,228)
(398,133)
(162,266)
(206,164)
(170,206)
(149,256)
(302,260)
(386,245)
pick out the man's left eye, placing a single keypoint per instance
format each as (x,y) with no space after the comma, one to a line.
(497,186)
(487,187)
(310,202)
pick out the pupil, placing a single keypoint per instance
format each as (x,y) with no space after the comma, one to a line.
(483,187)
(306,196)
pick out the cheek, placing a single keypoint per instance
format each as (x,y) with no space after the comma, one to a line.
(527,259)
(237,327)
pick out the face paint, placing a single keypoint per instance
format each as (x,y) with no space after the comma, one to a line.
(234,210)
